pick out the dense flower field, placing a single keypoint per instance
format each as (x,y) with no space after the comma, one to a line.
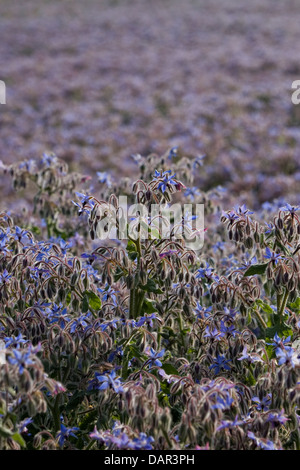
(146,343)
(95,82)
(113,342)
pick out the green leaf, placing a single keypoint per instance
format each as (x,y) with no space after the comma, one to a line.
(93,300)
(155,234)
(5,432)
(68,298)
(131,246)
(151,287)
(256,269)
(148,306)
(19,439)
(296,305)
(169,369)
(264,306)
(280,329)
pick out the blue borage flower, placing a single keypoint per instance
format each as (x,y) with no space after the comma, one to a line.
(228,330)
(82,322)
(213,333)
(202,312)
(230,216)
(48,160)
(109,294)
(154,356)
(192,193)
(230,424)
(23,358)
(198,161)
(104,178)
(119,438)
(167,180)
(270,228)
(4,277)
(28,165)
(263,403)
(265,444)
(22,427)
(288,357)
(173,152)
(223,403)
(219,364)
(65,433)
(15,341)
(279,342)
(276,418)
(253,357)
(19,233)
(272,256)
(291,209)
(206,273)
(86,203)
(58,314)
(106,381)
(242,210)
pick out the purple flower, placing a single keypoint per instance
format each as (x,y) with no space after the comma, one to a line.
(263,404)
(230,424)
(22,427)
(262,443)
(58,314)
(277,419)
(146,319)
(249,357)
(270,228)
(19,233)
(213,333)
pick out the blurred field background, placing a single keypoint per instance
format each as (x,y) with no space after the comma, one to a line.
(97,81)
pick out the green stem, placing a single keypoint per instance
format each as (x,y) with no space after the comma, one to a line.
(132,304)
(140,303)
(55,413)
(260,319)
(283,304)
